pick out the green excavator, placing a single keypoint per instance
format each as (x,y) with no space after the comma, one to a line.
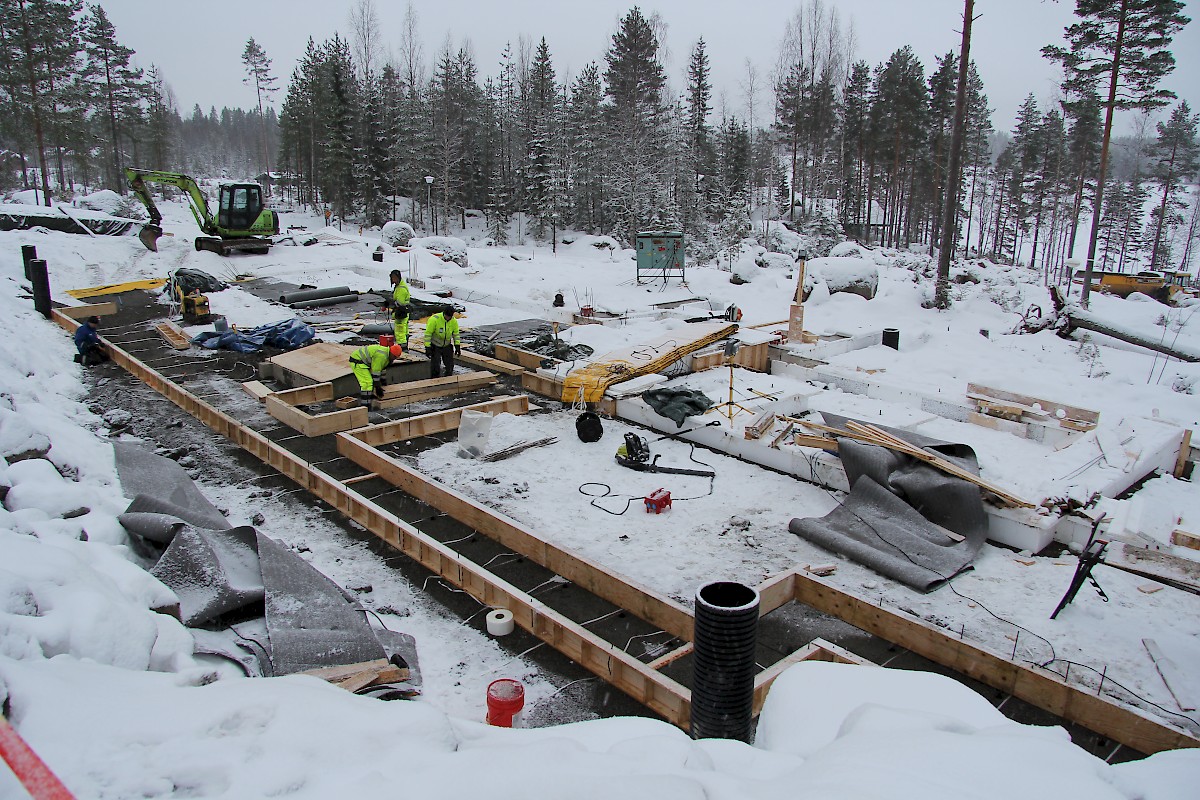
(241,224)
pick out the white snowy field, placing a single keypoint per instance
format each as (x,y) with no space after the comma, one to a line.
(108,693)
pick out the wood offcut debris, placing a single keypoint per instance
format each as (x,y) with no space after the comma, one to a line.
(173,335)
(353,677)
(519,447)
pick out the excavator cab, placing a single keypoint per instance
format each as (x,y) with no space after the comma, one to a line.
(239,205)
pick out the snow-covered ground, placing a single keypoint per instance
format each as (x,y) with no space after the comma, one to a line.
(108,693)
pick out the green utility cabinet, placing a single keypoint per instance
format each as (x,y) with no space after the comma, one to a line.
(660,256)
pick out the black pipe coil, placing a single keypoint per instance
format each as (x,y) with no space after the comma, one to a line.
(313,294)
(723,661)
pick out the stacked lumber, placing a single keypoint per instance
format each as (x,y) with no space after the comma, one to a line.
(1023,408)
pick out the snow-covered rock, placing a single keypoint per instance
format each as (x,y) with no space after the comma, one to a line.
(397,234)
(848,249)
(105,200)
(845,274)
(769,260)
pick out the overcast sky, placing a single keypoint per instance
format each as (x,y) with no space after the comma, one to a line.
(197,44)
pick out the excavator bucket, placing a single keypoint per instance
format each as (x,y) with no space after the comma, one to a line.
(149,236)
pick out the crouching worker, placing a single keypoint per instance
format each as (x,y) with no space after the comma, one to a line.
(87,342)
(442,343)
(368,363)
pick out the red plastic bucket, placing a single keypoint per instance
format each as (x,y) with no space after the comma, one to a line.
(505,698)
(386,341)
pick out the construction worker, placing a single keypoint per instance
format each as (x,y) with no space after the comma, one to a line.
(368,363)
(442,342)
(87,342)
(399,306)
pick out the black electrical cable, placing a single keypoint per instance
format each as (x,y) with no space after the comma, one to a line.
(608,492)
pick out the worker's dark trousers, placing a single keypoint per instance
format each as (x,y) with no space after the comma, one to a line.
(441,360)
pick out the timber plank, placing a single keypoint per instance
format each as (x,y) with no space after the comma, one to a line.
(1049,407)
(90,310)
(256,389)
(546,387)
(415,391)
(437,422)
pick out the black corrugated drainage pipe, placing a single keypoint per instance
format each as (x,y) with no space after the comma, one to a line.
(723,661)
(317,302)
(313,294)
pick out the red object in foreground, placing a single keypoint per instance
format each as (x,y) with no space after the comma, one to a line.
(31,771)
(658,500)
(505,698)
(386,340)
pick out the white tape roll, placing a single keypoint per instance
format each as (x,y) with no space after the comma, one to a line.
(500,622)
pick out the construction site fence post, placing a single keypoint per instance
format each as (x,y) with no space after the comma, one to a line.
(39,276)
(28,254)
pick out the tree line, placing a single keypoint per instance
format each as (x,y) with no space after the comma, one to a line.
(76,110)
(820,138)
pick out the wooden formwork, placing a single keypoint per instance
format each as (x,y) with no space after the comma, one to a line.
(641,681)
(602,658)
(282,406)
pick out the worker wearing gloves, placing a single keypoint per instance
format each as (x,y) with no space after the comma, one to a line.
(87,342)
(368,363)
(442,342)
(399,306)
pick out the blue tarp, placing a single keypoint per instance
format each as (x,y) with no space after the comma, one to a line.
(287,334)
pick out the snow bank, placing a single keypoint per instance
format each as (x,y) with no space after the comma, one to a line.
(451,247)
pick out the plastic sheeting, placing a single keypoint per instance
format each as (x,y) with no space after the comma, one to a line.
(288,334)
(677,404)
(218,572)
(896,517)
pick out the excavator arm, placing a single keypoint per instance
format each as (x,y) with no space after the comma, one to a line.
(138,178)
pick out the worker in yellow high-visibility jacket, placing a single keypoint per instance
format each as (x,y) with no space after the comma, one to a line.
(399,306)
(368,363)
(442,342)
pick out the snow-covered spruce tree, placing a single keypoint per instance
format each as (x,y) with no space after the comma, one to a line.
(543,111)
(114,85)
(585,144)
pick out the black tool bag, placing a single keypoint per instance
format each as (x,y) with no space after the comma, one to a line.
(588,427)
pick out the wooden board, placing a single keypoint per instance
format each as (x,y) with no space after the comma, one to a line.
(1182,573)
(1185,539)
(93,310)
(750,356)
(1018,429)
(437,422)
(1185,449)
(1178,684)
(415,391)
(479,360)
(1074,413)
(816,650)
(256,389)
(524,358)
(538,384)
(1043,688)
(173,335)
(313,425)
(659,610)
(321,362)
(317,393)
